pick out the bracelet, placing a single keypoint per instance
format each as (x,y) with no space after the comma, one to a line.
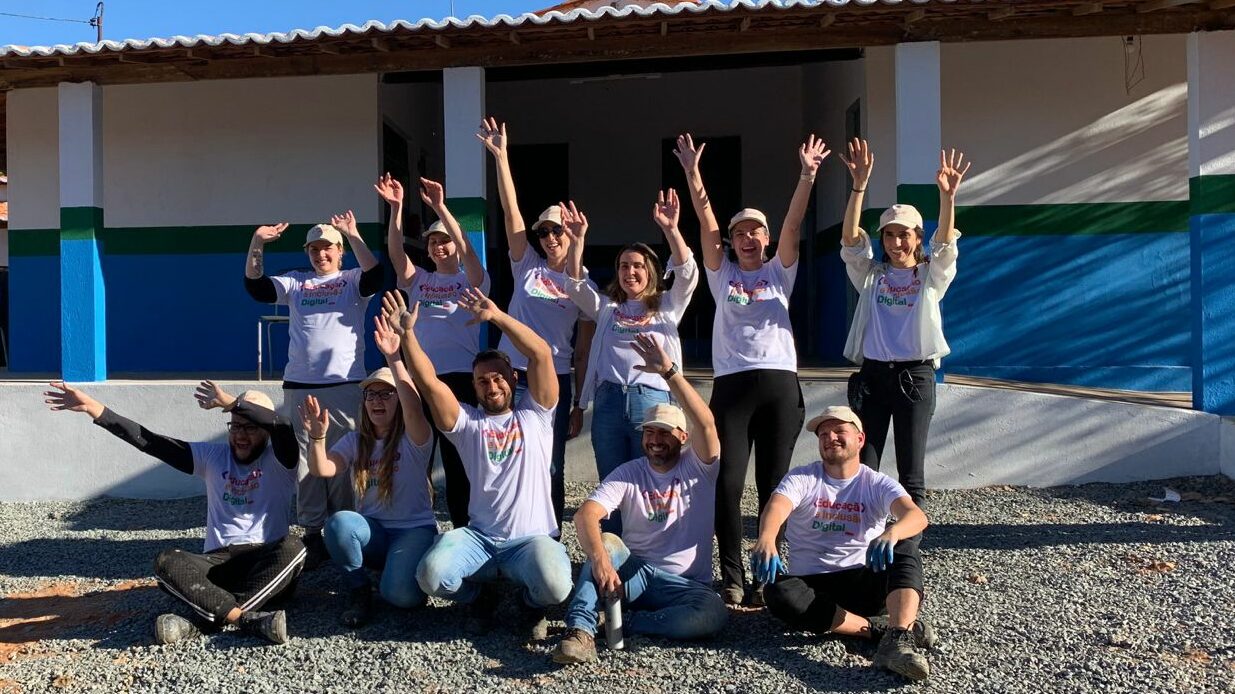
(317,438)
(806,177)
(858,190)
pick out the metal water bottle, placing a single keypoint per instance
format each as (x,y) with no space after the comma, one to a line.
(613,622)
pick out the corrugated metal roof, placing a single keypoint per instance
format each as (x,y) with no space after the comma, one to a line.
(431,25)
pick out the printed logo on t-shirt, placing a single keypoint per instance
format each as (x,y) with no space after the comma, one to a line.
(236,490)
(502,442)
(887,294)
(322,294)
(542,286)
(838,516)
(443,296)
(661,503)
(375,464)
(630,322)
(739,294)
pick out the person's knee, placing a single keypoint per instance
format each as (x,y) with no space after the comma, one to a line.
(552,585)
(403,594)
(164,562)
(436,574)
(708,617)
(615,548)
(780,603)
(343,524)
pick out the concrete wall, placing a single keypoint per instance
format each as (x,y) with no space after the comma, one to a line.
(979,437)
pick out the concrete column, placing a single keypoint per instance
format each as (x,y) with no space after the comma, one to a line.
(463,105)
(919,128)
(1211,170)
(83,317)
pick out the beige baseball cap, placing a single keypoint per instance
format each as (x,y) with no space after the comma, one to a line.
(256,398)
(551,215)
(667,417)
(838,412)
(905,215)
(323,232)
(434,228)
(750,214)
(382,375)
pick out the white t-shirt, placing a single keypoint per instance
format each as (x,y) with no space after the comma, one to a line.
(411,505)
(441,326)
(891,333)
(540,302)
(507,459)
(667,518)
(751,329)
(245,504)
(326,328)
(617,359)
(834,521)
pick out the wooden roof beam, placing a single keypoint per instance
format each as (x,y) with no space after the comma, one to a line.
(1156,5)
(328,49)
(826,21)
(380,44)
(1001,14)
(441,41)
(514,38)
(1221,4)
(745,25)
(1087,8)
(915,16)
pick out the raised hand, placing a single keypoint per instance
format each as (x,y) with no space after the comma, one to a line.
(952,168)
(574,222)
(655,359)
(270,232)
(386,336)
(396,313)
(667,210)
(811,154)
(390,190)
(480,306)
(345,223)
(66,397)
(210,395)
(314,418)
(493,135)
(433,194)
(686,152)
(859,162)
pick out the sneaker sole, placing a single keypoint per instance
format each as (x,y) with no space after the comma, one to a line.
(566,659)
(911,670)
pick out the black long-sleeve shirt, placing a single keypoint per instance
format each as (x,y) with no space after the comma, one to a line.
(263,290)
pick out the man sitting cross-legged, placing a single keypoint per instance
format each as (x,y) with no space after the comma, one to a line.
(506,449)
(249,558)
(661,567)
(846,563)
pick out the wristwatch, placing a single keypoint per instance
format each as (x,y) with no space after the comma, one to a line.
(673,370)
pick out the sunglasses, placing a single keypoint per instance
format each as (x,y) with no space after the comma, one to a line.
(242,428)
(383,395)
(544,231)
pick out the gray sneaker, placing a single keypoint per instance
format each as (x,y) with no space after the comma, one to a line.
(170,628)
(898,652)
(271,626)
(923,632)
(577,646)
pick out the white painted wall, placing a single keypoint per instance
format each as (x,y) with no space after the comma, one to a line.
(978,437)
(1211,103)
(879,123)
(33,159)
(1050,121)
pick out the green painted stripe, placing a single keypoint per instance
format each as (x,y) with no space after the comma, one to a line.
(470,212)
(34,242)
(1060,219)
(924,197)
(80,223)
(1212,194)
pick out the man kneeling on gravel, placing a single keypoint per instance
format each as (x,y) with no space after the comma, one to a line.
(661,567)
(846,563)
(506,448)
(249,558)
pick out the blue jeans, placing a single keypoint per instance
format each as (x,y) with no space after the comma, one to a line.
(616,437)
(561,427)
(656,602)
(357,543)
(463,559)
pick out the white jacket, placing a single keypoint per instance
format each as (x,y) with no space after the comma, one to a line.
(864,273)
(600,308)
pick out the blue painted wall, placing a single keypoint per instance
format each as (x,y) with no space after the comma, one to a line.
(34,313)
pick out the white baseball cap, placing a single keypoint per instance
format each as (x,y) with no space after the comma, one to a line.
(905,215)
(664,416)
(748,214)
(551,215)
(837,412)
(323,232)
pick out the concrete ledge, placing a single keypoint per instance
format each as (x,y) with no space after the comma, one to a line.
(980,436)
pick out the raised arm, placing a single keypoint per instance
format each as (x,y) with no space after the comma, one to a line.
(704,439)
(174,452)
(860,163)
(434,195)
(346,223)
(390,190)
(541,376)
(210,395)
(666,212)
(811,154)
(256,283)
(952,169)
(316,422)
(709,229)
(388,337)
(581,292)
(443,404)
(493,135)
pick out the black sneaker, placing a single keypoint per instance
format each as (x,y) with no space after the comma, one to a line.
(898,652)
(923,632)
(732,594)
(170,628)
(315,549)
(271,626)
(482,612)
(756,596)
(359,606)
(577,646)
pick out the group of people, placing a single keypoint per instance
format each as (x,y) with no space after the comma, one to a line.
(356,449)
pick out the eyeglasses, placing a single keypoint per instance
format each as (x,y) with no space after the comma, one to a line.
(544,231)
(242,428)
(383,395)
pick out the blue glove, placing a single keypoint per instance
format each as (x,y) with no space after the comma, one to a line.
(765,571)
(879,554)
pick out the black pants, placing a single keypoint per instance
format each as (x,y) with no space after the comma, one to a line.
(762,407)
(809,603)
(458,490)
(902,393)
(244,576)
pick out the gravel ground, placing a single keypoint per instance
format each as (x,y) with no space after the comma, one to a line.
(1074,589)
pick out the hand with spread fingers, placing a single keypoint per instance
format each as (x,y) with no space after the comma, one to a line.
(952,169)
(314,418)
(66,397)
(480,306)
(860,162)
(270,232)
(395,311)
(655,359)
(688,155)
(389,189)
(493,135)
(667,210)
(345,223)
(811,154)
(432,193)
(210,395)
(574,223)
(385,336)
(879,554)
